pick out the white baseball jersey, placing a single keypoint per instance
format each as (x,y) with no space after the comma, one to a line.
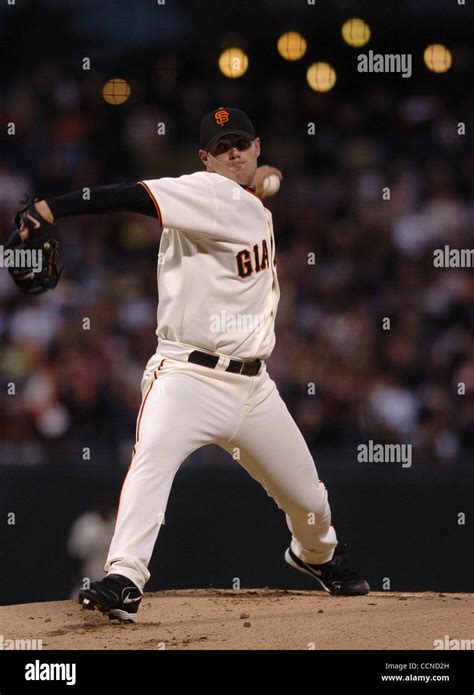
(218,292)
(217,281)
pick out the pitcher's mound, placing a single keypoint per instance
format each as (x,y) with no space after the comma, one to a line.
(250,619)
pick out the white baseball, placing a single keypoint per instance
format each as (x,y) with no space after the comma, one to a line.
(271,184)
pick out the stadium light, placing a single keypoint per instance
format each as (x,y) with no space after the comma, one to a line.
(233,62)
(321,77)
(116,91)
(356,32)
(438,58)
(292,45)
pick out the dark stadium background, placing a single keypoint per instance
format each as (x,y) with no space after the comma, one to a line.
(77,388)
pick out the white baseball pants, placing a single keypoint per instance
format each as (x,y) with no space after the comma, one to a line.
(186,406)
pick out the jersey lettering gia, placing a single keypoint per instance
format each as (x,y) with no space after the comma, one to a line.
(217,281)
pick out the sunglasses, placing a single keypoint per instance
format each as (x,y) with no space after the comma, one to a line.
(241,143)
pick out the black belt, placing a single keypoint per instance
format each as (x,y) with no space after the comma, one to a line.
(236,367)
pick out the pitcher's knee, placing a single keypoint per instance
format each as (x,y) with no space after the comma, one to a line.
(153,463)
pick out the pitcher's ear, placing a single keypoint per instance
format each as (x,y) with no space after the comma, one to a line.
(202,154)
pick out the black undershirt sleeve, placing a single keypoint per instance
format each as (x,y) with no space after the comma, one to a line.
(122,197)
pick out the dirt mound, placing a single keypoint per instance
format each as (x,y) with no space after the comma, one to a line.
(250,619)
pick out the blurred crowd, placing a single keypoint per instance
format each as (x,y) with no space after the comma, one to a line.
(384,336)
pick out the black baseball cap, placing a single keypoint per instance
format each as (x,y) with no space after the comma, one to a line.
(222,121)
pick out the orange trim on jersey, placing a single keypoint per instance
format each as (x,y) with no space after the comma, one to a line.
(255,194)
(158,211)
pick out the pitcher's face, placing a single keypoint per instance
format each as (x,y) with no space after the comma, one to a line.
(233,156)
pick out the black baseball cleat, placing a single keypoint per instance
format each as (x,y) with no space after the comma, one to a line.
(334,576)
(115,596)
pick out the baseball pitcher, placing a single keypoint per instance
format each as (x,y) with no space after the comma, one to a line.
(207,382)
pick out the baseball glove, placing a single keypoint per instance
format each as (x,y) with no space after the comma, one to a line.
(34,266)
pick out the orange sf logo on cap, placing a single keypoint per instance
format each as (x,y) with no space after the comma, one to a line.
(221,116)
